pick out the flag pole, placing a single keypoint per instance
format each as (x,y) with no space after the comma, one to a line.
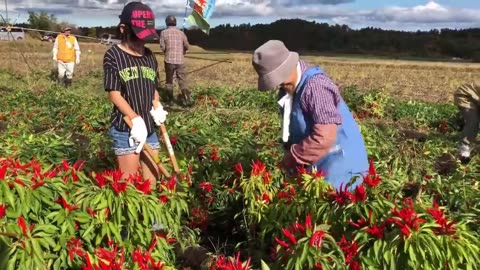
(185,16)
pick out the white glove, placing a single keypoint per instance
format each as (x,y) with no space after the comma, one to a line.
(159,114)
(138,134)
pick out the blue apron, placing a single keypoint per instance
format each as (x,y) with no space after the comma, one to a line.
(348,156)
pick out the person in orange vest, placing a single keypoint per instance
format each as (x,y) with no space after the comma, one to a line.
(66,53)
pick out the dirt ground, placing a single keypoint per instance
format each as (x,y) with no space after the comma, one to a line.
(430,81)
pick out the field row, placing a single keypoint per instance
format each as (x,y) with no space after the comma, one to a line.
(416,80)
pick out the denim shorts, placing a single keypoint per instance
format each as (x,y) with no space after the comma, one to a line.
(121,145)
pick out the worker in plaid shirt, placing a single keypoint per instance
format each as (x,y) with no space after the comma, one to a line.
(174,43)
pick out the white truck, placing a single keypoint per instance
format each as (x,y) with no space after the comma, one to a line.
(108,39)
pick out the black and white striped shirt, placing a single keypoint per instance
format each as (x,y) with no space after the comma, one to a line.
(136,77)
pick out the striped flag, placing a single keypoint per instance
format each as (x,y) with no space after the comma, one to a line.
(202,10)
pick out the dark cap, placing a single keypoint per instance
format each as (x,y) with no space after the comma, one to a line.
(142,20)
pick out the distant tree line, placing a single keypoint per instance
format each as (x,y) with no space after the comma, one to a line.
(307,36)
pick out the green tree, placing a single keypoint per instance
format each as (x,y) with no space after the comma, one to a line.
(42,21)
(92,32)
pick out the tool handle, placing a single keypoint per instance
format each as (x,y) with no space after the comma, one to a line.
(169,146)
(149,151)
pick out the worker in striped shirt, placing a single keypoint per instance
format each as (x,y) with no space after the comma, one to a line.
(174,43)
(467,99)
(131,78)
(318,131)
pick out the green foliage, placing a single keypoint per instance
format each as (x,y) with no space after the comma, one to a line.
(230,193)
(92,32)
(42,21)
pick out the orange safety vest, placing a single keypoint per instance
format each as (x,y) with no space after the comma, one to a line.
(66,52)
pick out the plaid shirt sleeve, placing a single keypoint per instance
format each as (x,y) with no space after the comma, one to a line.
(320,99)
(162,41)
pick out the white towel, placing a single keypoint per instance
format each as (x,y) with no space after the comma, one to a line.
(286,103)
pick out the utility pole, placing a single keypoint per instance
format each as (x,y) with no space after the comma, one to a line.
(6,10)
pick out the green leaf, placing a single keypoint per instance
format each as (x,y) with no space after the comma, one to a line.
(9,197)
(264,265)
(37,250)
(413,257)
(82,217)
(50,229)
(115,231)
(20,191)
(12,261)
(304,255)
(50,241)
(87,232)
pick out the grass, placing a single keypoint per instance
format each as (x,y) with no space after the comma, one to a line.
(416,80)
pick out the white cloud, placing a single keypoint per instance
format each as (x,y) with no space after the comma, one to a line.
(428,15)
(431,12)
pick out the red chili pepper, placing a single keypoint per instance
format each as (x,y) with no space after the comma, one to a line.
(290,236)
(282,243)
(22,224)
(316,239)
(3,210)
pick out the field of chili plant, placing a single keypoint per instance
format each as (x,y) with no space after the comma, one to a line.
(63,205)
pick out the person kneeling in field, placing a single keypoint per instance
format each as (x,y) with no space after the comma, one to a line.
(319,131)
(131,77)
(467,99)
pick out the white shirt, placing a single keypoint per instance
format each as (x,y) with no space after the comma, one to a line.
(286,103)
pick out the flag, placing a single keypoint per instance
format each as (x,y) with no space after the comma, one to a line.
(202,10)
(199,21)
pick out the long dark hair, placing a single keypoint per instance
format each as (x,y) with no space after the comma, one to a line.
(129,38)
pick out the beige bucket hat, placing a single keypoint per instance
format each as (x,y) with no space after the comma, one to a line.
(273,63)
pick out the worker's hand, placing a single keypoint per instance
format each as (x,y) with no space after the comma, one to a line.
(138,134)
(55,58)
(159,114)
(289,161)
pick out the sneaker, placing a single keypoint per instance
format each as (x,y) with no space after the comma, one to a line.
(185,98)
(464,151)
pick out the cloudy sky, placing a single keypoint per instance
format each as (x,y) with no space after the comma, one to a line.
(387,14)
